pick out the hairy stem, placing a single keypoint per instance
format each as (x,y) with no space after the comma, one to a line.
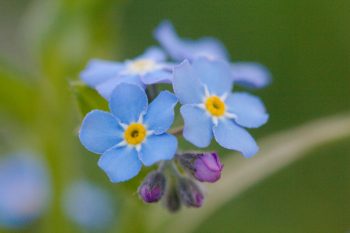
(176,131)
(152,91)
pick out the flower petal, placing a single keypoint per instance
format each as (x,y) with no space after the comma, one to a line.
(106,88)
(153,53)
(160,114)
(249,109)
(208,47)
(128,102)
(100,131)
(157,148)
(251,75)
(158,76)
(120,163)
(215,74)
(166,35)
(98,71)
(197,125)
(186,84)
(233,137)
(180,49)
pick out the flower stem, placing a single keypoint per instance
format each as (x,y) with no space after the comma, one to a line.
(152,91)
(176,131)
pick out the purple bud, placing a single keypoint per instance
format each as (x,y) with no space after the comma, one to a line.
(190,193)
(208,167)
(205,167)
(153,187)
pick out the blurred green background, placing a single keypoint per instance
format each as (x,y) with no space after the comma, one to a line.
(45,43)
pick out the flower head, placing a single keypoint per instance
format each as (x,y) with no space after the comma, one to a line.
(210,109)
(88,206)
(180,49)
(247,74)
(25,190)
(148,68)
(132,134)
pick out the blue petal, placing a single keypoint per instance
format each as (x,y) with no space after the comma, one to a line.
(157,148)
(215,74)
(186,84)
(249,109)
(166,35)
(250,74)
(128,102)
(153,53)
(100,131)
(89,206)
(98,71)
(158,76)
(208,47)
(197,126)
(106,88)
(180,49)
(25,190)
(233,137)
(120,164)
(160,114)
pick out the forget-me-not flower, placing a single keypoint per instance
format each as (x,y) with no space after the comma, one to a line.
(25,189)
(247,74)
(180,49)
(250,74)
(209,108)
(89,206)
(148,68)
(132,134)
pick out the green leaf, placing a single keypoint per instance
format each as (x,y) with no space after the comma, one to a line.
(87,98)
(18,95)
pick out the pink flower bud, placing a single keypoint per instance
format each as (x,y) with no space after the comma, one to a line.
(207,167)
(153,187)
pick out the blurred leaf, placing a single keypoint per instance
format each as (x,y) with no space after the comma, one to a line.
(65,34)
(18,96)
(88,99)
(277,152)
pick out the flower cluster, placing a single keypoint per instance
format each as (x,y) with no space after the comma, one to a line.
(136,132)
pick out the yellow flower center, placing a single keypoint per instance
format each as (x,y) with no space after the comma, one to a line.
(215,106)
(135,134)
(142,66)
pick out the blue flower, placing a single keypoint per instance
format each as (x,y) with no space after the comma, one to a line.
(180,49)
(209,108)
(89,206)
(248,74)
(148,68)
(132,134)
(25,190)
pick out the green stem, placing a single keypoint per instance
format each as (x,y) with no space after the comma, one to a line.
(152,91)
(177,131)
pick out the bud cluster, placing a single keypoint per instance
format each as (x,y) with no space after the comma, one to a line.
(181,189)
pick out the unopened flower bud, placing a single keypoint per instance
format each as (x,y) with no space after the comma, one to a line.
(153,187)
(190,193)
(205,167)
(172,199)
